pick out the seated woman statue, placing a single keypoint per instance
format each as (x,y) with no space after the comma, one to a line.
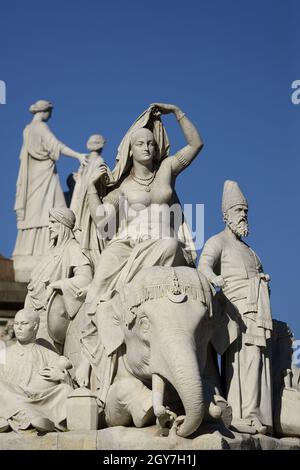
(140,197)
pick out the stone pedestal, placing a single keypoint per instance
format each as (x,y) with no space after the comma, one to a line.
(82,410)
(121,438)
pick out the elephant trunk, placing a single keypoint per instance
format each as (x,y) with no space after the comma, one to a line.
(177,362)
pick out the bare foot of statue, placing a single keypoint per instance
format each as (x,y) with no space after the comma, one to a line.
(248,426)
(260,428)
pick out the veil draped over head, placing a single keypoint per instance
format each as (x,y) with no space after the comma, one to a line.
(150,119)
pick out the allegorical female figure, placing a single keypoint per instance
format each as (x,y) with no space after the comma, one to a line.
(142,193)
(38,188)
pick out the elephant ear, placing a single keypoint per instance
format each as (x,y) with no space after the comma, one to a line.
(110,325)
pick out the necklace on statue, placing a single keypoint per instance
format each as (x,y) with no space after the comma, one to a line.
(145,182)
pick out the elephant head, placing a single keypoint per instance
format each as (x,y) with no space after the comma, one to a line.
(163,317)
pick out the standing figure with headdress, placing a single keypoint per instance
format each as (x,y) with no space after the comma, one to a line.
(86,230)
(38,189)
(142,193)
(244,333)
(57,287)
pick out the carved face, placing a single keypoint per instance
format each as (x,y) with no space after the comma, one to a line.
(46,115)
(25,327)
(54,226)
(237,219)
(143,146)
(95,143)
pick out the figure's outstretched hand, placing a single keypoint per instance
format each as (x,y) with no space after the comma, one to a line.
(164,108)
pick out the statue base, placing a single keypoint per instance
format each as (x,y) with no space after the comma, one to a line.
(122,438)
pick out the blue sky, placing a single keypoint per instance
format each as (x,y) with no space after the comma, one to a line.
(228,64)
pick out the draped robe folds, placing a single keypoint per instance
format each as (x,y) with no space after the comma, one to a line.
(66,263)
(125,255)
(20,399)
(38,191)
(86,230)
(243,333)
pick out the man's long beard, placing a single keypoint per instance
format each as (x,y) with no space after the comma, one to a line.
(64,235)
(240,229)
(52,242)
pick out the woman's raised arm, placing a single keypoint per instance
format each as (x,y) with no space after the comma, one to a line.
(194,142)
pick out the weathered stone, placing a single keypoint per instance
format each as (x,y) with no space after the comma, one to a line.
(82,410)
(77,440)
(121,438)
(13,441)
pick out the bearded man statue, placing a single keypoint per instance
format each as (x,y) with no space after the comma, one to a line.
(243,335)
(58,284)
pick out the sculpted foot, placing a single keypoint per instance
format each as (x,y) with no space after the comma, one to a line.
(260,428)
(248,426)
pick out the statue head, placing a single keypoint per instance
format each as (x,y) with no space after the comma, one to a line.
(95,143)
(236,218)
(43,108)
(235,209)
(26,325)
(142,146)
(9,329)
(147,120)
(61,224)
